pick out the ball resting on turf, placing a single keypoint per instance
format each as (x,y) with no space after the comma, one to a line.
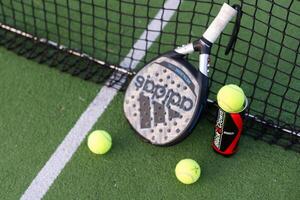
(187,171)
(231,98)
(99,142)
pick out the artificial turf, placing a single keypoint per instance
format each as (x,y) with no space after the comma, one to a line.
(40,105)
(134,169)
(38,108)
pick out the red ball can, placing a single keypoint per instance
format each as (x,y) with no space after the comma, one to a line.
(228,130)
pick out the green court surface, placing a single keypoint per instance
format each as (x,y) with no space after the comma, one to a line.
(40,105)
(137,170)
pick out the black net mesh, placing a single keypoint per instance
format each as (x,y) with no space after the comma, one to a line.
(92,39)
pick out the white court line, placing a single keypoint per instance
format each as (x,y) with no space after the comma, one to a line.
(51,170)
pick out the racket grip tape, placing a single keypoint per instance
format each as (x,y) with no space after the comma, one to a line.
(219,23)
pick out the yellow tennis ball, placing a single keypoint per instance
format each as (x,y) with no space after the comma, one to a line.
(187,171)
(99,142)
(231,98)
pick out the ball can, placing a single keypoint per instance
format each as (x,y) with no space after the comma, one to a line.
(228,130)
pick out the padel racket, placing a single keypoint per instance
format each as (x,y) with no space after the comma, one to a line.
(166,97)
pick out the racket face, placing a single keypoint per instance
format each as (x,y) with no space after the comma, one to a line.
(163,100)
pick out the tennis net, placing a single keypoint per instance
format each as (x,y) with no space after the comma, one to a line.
(90,38)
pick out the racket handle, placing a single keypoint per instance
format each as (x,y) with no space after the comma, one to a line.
(219,23)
